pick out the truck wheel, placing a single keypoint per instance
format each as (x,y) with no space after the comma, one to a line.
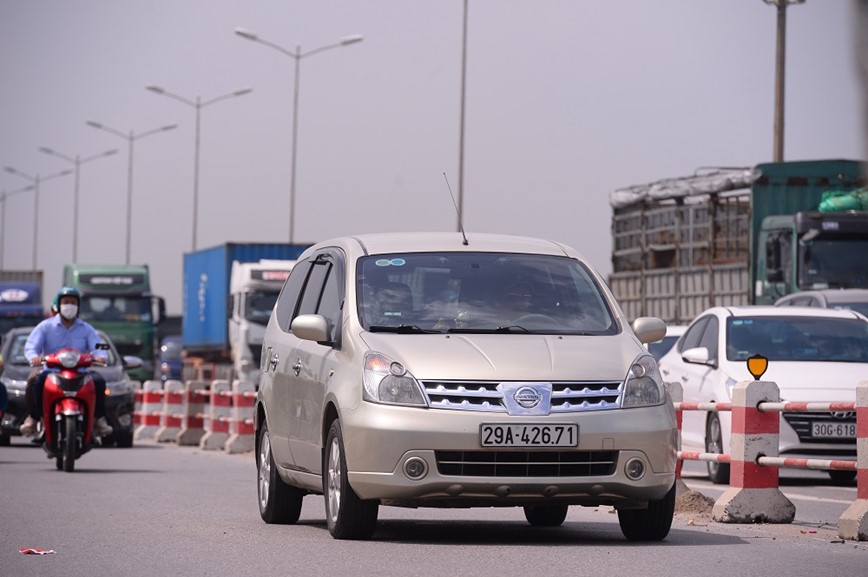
(347,516)
(651,524)
(718,473)
(278,502)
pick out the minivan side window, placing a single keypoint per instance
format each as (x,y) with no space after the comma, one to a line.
(322,294)
(286,301)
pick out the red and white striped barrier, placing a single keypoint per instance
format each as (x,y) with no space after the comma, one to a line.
(148,411)
(753,496)
(193,419)
(241,427)
(853,524)
(759,461)
(171,416)
(219,415)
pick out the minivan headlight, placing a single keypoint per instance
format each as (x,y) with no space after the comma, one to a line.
(388,381)
(643,386)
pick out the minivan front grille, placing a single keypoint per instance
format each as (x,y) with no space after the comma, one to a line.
(567,397)
(526,463)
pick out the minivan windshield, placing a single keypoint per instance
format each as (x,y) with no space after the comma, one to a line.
(480,292)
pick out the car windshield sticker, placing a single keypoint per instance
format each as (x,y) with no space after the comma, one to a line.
(391,262)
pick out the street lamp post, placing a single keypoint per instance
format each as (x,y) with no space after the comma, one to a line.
(3,198)
(130,137)
(77,161)
(297,55)
(780,61)
(198,105)
(35,180)
(460,227)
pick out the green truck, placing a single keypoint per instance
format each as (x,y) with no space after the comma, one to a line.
(736,236)
(117,299)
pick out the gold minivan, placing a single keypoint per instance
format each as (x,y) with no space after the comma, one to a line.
(444,370)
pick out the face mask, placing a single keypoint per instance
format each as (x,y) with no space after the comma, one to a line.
(68,311)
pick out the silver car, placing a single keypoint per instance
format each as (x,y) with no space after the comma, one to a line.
(434,370)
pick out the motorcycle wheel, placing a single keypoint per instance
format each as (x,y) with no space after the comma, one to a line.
(69,443)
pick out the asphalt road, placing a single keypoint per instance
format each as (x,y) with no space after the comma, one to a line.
(159,509)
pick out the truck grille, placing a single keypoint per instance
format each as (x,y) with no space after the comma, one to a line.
(802,424)
(526,463)
(483,396)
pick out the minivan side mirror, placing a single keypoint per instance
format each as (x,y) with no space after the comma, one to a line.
(649,329)
(310,328)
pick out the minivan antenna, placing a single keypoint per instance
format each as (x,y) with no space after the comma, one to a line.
(455,204)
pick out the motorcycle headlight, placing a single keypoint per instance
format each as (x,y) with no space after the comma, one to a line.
(643,386)
(387,381)
(69,359)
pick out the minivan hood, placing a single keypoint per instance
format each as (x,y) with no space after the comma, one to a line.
(513,357)
(806,381)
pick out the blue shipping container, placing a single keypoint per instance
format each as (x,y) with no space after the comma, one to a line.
(206,289)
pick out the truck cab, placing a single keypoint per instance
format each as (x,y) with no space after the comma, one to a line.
(117,299)
(799,250)
(253,290)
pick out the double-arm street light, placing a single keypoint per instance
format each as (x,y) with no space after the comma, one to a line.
(77,161)
(3,198)
(130,137)
(296,55)
(35,180)
(198,105)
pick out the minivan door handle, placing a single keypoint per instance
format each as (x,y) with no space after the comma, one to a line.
(275,358)
(296,366)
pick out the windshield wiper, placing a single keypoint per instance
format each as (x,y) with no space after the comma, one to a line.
(401,329)
(511,329)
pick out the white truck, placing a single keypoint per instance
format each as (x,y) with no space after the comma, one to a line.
(253,290)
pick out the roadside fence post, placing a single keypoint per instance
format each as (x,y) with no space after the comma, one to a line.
(193,419)
(173,404)
(753,496)
(853,524)
(241,428)
(151,406)
(217,423)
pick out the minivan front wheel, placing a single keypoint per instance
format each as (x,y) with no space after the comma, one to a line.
(278,502)
(347,516)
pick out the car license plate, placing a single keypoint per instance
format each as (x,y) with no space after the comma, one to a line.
(529,435)
(833,430)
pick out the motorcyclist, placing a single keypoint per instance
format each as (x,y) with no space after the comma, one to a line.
(60,331)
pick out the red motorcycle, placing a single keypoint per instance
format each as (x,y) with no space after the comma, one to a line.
(68,402)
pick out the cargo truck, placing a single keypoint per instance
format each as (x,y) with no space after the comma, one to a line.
(735,236)
(20,299)
(229,292)
(118,300)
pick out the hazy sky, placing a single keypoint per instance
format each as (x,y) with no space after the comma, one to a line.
(566,100)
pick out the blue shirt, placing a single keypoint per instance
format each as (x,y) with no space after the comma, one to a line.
(51,335)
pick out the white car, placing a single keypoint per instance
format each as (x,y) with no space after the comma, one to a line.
(815,355)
